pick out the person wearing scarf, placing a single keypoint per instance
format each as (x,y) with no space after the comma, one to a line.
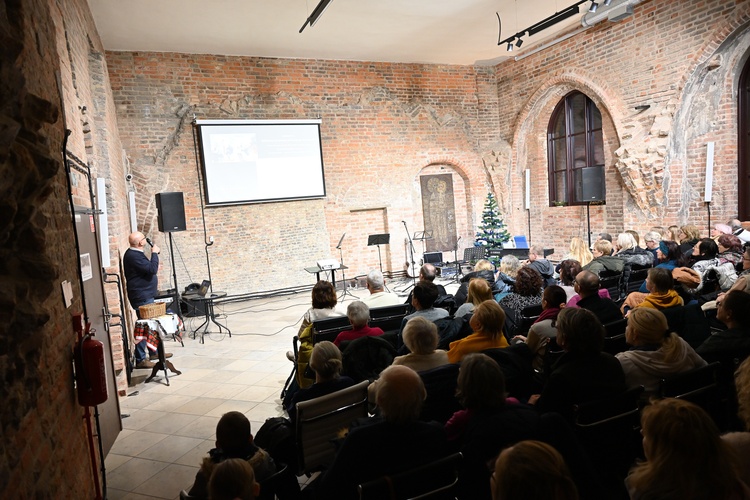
(662,294)
(544,329)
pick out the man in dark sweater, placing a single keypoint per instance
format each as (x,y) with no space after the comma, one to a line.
(142,284)
(587,286)
(538,262)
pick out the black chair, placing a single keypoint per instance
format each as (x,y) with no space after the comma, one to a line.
(388,318)
(282,484)
(689,322)
(615,344)
(434,481)
(440,384)
(636,278)
(611,281)
(615,328)
(364,358)
(329,328)
(528,316)
(701,387)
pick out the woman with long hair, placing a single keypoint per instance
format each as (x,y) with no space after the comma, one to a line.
(685,457)
(487,324)
(479,291)
(579,251)
(569,269)
(506,276)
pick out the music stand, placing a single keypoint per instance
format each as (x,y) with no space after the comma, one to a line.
(343,267)
(422,236)
(377,240)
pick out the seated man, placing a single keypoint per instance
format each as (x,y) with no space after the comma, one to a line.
(391,443)
(358,314)
(587,286)
(734,342)
(378,296)
(427,274)
(424,296)
(233,440)
(538,262)
(603,260)
(739,231)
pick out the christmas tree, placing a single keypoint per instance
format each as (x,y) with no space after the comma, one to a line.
(492,231)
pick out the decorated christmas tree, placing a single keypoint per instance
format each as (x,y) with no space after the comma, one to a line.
(492,231)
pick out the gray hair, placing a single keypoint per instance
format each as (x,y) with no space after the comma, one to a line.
(375,279)
(358,313)
(420,335)
(510,265)
(652,236)
(625,241)
(537,249)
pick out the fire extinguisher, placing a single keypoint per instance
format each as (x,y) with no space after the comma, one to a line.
(91,375)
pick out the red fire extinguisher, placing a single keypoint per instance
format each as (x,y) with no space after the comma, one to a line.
(91,376)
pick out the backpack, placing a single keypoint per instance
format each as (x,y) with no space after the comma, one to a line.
(276,436)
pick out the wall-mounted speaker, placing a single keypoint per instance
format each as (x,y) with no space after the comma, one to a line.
(592,184)
(171,208)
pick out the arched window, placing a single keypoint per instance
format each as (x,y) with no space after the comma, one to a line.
(575,152)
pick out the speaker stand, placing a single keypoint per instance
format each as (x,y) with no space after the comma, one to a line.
(174,277)
(588,220)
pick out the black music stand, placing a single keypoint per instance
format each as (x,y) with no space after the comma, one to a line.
(377,240)
(343,267)
(422,236)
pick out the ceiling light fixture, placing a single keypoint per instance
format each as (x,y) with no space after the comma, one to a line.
(607,2)
(316,13)
(510,46)
(519,42)
(593,7)
(540,26)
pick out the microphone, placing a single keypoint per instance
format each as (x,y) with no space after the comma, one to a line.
(149,242)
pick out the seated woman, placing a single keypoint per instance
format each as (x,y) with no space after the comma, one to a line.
(421,337)
(730,249)
(569,269)
(667,255)
(526,292)
(544,328)
(326,362)
(661,293)
(578,251)
(359,314)
(506,276)
(479,291)
(705,259)
(733,344)
(688,236)
(487,323)
(482,269)
(324,305)
(656,353)
(742,283)
(685,457)
(603,260)
(583,373)
(532,469)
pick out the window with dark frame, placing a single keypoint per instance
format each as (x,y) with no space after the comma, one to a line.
(574,143)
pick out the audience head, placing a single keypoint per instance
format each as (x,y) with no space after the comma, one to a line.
(427,273)
(735,224)
(569,269)
(742,382)
(481,383)
(720,229)
(400,394)
(579,331)
(554,296)
(625,241)
(536,251)
(706,248)
(647,326)
(420,335)
(604,236)
(635,236)
(358,313)
(602,248)
(652,239)
(528,282)
(425,294)
(532,470)
(375,281)
(668,250)
(510,265)
(685,457)
(674,232)
(729,243)
(659,280)
(587,284)
(325,360)
(689,232)
(233,479)
(733,309)
(324,295)
(233,433)
(488,318)
(479,291)
(484,265)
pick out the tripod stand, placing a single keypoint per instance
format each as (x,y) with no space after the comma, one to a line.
(343,272)
(457,277)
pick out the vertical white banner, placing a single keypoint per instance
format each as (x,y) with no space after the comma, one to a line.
(527,201)
(709,171)
(131,205)
(101,205)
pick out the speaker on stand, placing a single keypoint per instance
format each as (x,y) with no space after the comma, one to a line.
(171,217)
(592,190)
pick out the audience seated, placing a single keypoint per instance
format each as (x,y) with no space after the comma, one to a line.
(326,362)
(583,373)
(603,260)
(578,251)
(324,305)
(478,291)
(427,274)
(733,309)
(233,440)
(742,283)
(506,276)
(483,269)
(739,231)
(569,269)
(632,255)
(532,470)
(685,457)
(587,287)
(730,249)
(657,353)
(541,265)
(526,292)
(544,329)
(705,259)
(423,298)
(661,293)
(688,236)
(378,296)
(740,441)
(233,479)
(358,314)
(487,323)
(667,254)
(393,442)
(652,240)
(421,338)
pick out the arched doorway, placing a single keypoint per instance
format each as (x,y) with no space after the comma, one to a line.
(743,146)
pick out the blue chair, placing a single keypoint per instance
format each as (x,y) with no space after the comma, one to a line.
(521,241)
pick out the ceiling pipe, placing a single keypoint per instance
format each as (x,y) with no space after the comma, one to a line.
(615,11)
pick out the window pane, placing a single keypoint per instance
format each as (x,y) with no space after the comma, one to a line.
(598,142)
(558,129)
(560,154)
(596,118)
(577,108)
(578,143)
(561,187)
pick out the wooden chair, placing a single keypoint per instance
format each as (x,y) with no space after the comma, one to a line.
(319,421)
(434,481)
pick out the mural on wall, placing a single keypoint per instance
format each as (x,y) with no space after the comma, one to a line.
(438,211)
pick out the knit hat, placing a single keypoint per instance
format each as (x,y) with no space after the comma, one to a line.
(664,248)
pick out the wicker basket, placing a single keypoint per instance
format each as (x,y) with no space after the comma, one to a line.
(153,310)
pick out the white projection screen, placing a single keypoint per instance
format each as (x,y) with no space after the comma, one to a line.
(260,161)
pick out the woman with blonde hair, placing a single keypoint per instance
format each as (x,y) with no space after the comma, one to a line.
(685,457)
(656,352)
(326,362)
(579,251)
(506,276)
(530,470)
(483,269)
(479,291)
(487,323)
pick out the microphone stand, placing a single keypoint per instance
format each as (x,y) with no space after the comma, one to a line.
(343,271)
(455,261)
(411,255)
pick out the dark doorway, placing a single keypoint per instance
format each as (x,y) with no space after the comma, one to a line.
(743,146)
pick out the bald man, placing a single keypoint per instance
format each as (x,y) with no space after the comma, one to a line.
(142,284)
(392,443)
(587,286)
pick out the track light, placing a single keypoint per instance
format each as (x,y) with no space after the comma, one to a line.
(316,13)
(593,7)
(519,42)
(510,46)
(607,2)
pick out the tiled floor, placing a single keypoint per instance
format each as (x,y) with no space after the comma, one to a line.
(171,428)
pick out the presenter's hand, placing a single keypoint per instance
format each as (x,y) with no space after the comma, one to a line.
(155,249)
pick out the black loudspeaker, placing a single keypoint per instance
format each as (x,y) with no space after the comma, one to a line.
(592,184)
(171,207)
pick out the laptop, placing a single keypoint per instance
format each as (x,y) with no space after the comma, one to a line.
(200,292)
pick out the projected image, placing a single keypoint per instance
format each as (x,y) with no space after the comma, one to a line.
(231,148)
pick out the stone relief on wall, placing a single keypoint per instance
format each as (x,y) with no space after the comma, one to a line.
(438,211)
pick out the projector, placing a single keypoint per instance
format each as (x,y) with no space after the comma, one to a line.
(328,264)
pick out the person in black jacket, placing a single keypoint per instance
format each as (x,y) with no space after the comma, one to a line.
(482,269)
(734,342)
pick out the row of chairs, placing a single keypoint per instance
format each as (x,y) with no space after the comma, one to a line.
(618,286)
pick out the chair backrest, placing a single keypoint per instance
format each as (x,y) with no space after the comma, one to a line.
(329,328)
(319,421)
(440,384)
(282,484)
(690,385)
(611,281)
(620,407)
(615,344)
(388,318)
(529,314)
(636,278)
(616,327)
(435,480)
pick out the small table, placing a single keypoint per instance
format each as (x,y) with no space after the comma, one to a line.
(208,307)
(316,270)
(163,326)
